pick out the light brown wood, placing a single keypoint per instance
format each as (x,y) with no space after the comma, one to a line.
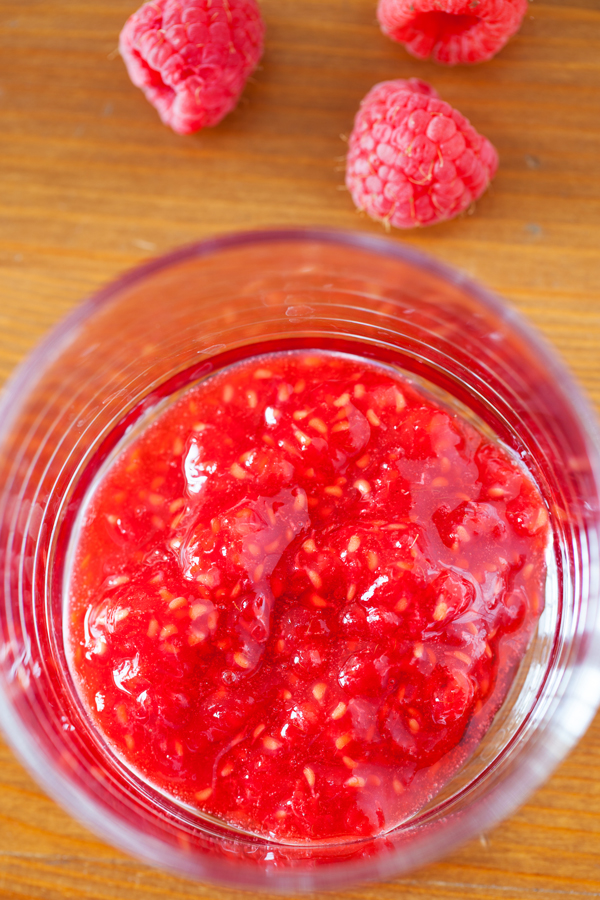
(91,183)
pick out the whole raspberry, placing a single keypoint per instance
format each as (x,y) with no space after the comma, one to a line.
(451,31)
(192,58)
(413,160)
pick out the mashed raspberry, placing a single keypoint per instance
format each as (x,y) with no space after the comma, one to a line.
(299,594)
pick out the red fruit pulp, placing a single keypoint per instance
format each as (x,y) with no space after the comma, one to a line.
(440,26)
(298,595)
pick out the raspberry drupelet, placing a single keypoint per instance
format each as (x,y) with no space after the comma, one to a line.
(413,160)
(192,58)
(451,31)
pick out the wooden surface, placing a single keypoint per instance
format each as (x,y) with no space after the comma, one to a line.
(91,183)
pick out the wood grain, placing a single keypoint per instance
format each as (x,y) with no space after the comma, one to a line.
(91,183)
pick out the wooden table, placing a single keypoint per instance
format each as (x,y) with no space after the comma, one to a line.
(91,183)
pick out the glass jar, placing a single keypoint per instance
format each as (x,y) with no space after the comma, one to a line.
(168,324)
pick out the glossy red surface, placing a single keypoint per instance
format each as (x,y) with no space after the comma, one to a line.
(300,592)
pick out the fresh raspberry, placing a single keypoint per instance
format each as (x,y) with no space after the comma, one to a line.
(413,160)
(451,31)
(192,58)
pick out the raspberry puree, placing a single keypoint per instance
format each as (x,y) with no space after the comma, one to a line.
(299,593)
